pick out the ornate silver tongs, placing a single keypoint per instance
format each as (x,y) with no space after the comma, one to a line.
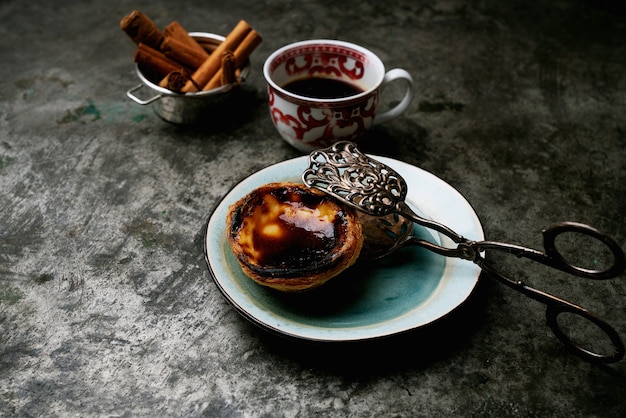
(374,188)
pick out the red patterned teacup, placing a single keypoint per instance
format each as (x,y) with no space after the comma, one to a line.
(309,111)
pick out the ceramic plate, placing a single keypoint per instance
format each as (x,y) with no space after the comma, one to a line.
(403,291)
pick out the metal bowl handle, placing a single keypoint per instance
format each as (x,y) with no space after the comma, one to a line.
(136,99)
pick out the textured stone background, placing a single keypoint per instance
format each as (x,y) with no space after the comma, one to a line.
(106,305)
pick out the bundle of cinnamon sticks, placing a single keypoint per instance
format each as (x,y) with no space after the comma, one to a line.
(181,63)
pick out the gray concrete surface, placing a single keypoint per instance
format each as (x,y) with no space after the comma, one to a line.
(107,307)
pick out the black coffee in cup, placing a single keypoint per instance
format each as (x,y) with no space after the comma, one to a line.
(322,88)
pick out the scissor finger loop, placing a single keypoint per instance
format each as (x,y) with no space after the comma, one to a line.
(555,309)
(558,261)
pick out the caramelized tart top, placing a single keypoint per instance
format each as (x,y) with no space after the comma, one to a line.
(287,230)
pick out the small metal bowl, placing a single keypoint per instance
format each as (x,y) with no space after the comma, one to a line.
(194,107)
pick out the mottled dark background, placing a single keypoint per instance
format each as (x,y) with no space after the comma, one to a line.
(107,307)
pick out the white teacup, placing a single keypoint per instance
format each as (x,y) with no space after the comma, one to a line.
(310,104)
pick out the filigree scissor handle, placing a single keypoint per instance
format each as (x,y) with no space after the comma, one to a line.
(366,184)
(346,173)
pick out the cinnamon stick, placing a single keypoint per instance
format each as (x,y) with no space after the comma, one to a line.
(240,55)
(141,29)
(174,81)
(183,52)
(213,63)
(175,30)
(149,58)
(228,68)
(244,50)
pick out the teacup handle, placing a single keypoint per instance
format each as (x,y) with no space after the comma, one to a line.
(391,75)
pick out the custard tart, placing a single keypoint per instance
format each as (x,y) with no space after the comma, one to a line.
(290,237)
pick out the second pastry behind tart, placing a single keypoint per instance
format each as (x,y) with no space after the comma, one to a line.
(290,237)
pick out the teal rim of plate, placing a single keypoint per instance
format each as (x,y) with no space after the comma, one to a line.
(403,291)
